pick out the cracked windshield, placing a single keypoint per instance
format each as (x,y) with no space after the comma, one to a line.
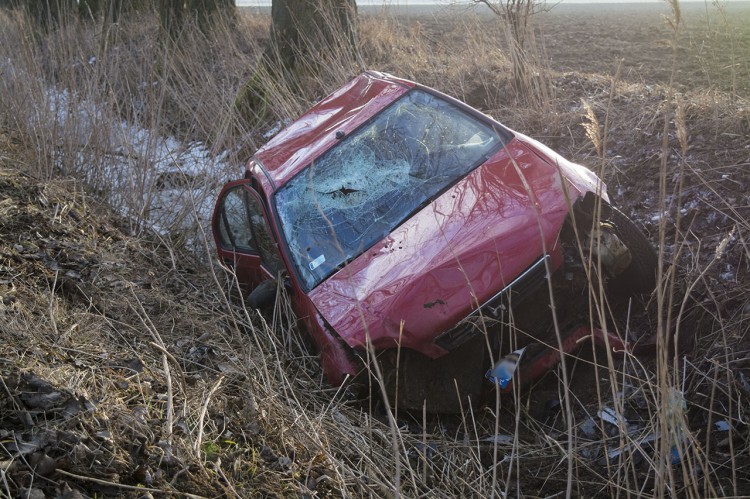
(374,179)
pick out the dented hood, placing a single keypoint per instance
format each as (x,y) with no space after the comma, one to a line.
(456,253)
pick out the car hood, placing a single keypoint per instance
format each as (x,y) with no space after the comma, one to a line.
(454,254)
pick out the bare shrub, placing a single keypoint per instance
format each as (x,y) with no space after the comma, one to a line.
(524,52)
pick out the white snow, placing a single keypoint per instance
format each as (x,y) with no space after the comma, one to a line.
(166,184)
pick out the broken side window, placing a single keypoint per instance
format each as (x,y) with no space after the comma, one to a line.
(234,225)
(243,227)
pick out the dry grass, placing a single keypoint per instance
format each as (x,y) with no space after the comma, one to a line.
(155,375)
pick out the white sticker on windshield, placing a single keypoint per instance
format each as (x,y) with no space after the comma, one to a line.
(317,262)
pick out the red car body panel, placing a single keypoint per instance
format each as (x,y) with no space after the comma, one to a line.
(440,264)
(315,131)
(452,256)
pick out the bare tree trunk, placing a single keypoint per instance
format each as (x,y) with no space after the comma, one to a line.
(307,28)
(305,34)
(171,17)
(208,12)
(92,9)
(174,13)
(47,13)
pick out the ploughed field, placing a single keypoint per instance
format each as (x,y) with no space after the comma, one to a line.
(622,68)
(594,38)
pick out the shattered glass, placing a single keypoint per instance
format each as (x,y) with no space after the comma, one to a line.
(243,227)
(372,180)
(235,224)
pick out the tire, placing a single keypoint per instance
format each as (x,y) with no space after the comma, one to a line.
(263,295)
(638,279)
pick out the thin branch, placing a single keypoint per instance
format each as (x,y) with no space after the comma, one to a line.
(128,487)
(202,416)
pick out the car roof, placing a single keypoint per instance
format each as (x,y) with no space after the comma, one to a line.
(315,131)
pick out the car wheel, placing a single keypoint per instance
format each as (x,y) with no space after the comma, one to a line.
(263,295)
(638,279)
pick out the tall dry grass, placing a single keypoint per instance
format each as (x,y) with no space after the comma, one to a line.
(70,100)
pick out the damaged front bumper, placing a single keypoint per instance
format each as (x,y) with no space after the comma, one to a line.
(527,364)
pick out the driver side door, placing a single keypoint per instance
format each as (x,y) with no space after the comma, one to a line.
(243,238)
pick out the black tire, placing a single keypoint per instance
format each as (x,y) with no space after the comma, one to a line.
(263,295)
(638,280)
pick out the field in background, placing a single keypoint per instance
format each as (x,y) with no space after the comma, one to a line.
(127,361)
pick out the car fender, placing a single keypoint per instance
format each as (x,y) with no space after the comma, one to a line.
(579,178)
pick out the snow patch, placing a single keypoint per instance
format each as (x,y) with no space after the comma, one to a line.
(160,181)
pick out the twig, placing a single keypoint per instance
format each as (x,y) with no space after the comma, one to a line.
(52,305)
(5,482)
(128,487)
(217,468)
(202,416)
(159,344)
(170,397)
(174,360)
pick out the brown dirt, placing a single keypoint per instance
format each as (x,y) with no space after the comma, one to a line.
(594,39)
(619,60)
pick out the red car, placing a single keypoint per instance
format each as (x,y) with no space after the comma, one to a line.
(407,224)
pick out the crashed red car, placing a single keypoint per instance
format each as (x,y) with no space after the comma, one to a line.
(406,223)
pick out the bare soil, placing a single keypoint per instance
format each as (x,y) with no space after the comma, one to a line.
(621,60)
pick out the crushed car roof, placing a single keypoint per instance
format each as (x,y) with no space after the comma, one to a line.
(316,131)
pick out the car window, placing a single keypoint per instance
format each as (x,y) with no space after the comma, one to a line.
(371,181)
(234,226)
(243,227)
